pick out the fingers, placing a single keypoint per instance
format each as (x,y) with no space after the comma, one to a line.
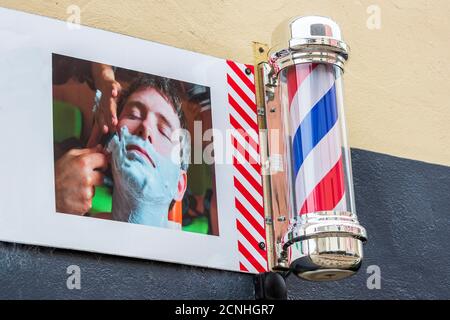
(90,158)
(95,160)
(75,207)
(113,105)
(88,194)
(78,152)
(87,190)
(76,175)
(84,204)
(75,198)
(106,116)
(95,137)
(116,89)
(97,178)
(98,129)
(101,121)
(111,118)
(109,106)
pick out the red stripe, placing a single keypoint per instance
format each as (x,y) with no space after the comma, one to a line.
(241,93)
(247,195)
(242,267)
(251,67)
(247,156)
(295,77)
(328,31)
(242,75)
(252,123)
(250,258)
(250,239)
(249,217)
(328,192)
(243,133)
(240,167)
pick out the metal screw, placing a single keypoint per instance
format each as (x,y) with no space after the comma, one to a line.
(262,245)
(248,71)
(261,49)
(281,218)
(273,110)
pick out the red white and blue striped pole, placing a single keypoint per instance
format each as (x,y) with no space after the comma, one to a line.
(324,241)
(316,139)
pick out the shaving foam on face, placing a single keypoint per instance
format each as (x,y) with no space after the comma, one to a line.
(143,189)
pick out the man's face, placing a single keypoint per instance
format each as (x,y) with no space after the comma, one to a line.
(150,116)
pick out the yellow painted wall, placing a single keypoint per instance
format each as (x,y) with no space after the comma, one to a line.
(397,81)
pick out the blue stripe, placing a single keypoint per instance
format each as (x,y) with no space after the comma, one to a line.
(314,127)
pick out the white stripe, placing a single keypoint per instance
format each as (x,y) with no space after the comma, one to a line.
(342,205)
(247,264)
(243,180)
(249,110)
(250,228)
(241,84)
(317,164)
(248,129)
(313,88)
(255,254)
(253,212)
(254,173)
(246,145)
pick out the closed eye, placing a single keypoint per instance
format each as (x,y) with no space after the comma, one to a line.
(133,117)
(134,114)
(164,127)
(165,131)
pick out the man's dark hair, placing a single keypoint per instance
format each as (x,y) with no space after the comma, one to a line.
(169,90)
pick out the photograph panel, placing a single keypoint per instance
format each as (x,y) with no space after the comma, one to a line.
(123,145)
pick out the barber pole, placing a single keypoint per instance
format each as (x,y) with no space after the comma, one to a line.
(324,238)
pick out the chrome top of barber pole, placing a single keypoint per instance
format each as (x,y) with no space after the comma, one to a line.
(311,39)
(324,240)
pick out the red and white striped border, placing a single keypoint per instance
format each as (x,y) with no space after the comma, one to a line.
(248,189)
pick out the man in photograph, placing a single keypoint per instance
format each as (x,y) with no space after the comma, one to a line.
(149,153)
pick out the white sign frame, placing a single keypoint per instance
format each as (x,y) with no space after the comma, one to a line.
(27,201)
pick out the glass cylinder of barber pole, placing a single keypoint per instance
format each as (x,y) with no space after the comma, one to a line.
(324,241)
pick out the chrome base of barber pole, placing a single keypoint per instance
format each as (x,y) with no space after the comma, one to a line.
(325,246)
